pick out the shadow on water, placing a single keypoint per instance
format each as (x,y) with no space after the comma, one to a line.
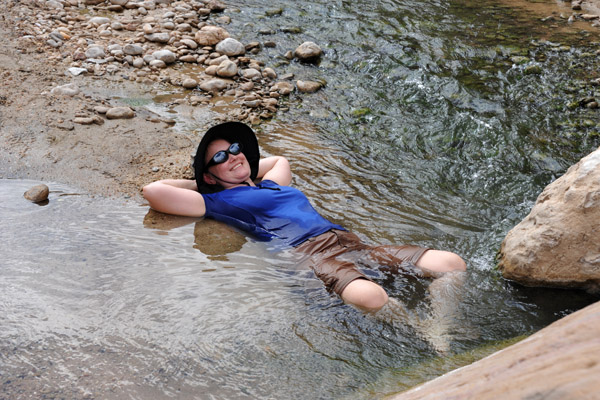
(439,125)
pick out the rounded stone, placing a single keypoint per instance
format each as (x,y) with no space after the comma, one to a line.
(70,89)
(210,35)
(189,83)
(37,194)
(251,73)
(227,69)
(230,47)
(308,86)
(133,49)
(99,21)
(166,56)
(159,37)
(213,85)
(120,113)
(95,52)
(308,51)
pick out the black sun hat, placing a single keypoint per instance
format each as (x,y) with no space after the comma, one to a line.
(233,132)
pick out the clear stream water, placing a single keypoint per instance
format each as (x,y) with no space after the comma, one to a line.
(430,131)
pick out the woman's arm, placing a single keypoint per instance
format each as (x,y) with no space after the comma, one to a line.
(276,169)
(175,196)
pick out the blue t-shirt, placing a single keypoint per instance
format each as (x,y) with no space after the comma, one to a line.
(268,211)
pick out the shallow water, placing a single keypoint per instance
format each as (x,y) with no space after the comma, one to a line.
(427,132)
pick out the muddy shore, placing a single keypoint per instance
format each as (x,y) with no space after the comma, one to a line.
(41,141)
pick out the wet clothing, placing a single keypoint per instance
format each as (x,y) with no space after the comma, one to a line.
(270,211)
(328,256)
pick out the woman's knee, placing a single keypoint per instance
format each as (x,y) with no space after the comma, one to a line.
(365,295)
(442,261)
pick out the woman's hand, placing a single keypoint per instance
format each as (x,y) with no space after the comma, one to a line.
(276,169)
(175,196)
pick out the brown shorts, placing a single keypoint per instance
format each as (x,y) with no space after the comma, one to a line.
(325,255)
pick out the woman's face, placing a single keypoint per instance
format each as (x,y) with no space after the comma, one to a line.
(235,169)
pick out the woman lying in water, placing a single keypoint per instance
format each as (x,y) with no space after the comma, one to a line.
(235,186)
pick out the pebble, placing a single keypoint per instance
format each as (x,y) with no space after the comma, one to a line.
(213,85)
(166,56)
(227,69)
(133,49)
(70,89)
(160,37)
(37,194)
(120,113)
(308,51)
(99,21)
(75,71)
(230,47)
(308,86)
(95,52)
(189,83)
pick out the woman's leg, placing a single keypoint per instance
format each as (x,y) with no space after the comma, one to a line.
(441,261)
(365,295)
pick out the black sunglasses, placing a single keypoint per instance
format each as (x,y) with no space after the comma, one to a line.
(222,156)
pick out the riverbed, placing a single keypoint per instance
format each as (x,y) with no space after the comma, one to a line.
(439,124)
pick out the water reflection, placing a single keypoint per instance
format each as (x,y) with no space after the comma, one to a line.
(103,298)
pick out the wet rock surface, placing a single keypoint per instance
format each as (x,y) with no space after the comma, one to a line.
(558,243)
(37,194)
(559,362)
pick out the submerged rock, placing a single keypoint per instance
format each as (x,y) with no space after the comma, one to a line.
(558,243)
(37,194)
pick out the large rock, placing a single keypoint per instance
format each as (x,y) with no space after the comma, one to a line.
(210,35)
(558,243)
(562,361)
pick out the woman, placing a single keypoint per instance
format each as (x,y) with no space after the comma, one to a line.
(233,185)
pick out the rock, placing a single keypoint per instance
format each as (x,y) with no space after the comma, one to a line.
(230,47)
(269,73)
(99,21)
(251,73)
(308,86)
(210,35)
(159,37)
(190,43)
(533,70)
(562,361)
(37,194)
(119,2)
(160,64)
(557,244)
(308,51)
(133,49)
(75,71)
(283,88)
(95,51)
(120,113)
(189,83)
(166,56)
(83,120)
(213,85)
(227,69)
(70,89)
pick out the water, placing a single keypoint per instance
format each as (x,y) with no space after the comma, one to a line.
(429,131)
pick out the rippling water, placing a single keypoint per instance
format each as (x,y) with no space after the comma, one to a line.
(427,132)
